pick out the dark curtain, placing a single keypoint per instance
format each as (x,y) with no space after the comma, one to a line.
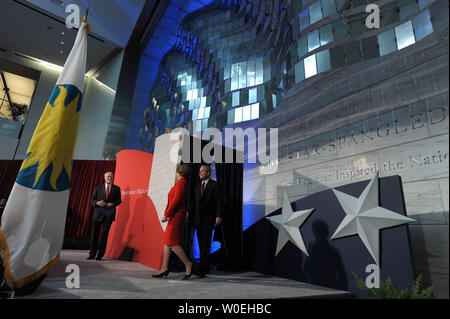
(85,176)
(8,175)
(230,233)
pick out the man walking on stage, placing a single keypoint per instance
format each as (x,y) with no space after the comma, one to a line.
(205,212)
(105,199)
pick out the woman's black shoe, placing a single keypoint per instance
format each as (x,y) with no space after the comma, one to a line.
(162,274)
(186,277)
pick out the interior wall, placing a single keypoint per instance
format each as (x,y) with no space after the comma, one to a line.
(98,101)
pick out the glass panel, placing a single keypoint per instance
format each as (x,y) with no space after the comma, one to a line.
(235,70)
(197,126)
(252,95)
(227,85)
(386,42)
(195,114)
(231,116)
(251,73)
(242,75)
(310,66)
(243,98)
(315,12)
(274,101)
(422,25)
(259,71)
(293,52)
(404,35)
(329,7)
(238,115)
(201,112)
(260,93)
(407,8)
(302,46)
(389,14)
(323,61)
(207,112)
(303,19)
(313,40)
(203,101)
(227,72)
(299,72)
(352,52)
(255,111)
(204,124)
(189,95)
(326,34)
(235,99)
(305,2)
(424,3)
(234,83)
(246,113)
(340,30)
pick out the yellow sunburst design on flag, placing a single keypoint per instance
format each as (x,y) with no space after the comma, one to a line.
(53,142)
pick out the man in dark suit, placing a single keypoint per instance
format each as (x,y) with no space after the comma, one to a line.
(105,199)
(205,212)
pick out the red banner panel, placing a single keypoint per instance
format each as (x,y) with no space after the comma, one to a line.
(137,225)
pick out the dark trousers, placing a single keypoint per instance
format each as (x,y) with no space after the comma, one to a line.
(204,236)
(95,246)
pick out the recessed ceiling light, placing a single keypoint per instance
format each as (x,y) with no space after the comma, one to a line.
(61,51)
(62,42)
(62,33)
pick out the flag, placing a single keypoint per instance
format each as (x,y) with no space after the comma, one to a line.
(32,226)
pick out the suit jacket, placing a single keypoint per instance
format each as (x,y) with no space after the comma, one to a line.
(207,207)
(100,194)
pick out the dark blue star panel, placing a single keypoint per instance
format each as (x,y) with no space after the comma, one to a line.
(331,262)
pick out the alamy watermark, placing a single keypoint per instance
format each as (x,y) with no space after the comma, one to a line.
(373,18)
(261,147)
(73,20)
(73,279)
(373,279)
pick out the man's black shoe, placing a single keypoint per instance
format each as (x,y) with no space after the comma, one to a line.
(200,274)
(99,257)
(91,257)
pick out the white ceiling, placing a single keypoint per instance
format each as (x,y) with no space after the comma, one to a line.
(37,28)
(113,20)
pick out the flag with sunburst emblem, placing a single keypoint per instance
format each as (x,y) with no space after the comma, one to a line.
(32,227)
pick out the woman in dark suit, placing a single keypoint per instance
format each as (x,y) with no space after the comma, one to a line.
(175,215)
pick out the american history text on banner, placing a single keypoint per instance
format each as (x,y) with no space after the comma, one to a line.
(32,226)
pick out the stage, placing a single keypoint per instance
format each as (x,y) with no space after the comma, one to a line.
(115,279)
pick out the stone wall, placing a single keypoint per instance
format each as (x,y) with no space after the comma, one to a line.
(388,114)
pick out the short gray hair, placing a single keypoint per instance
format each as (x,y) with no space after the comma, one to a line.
(208,167)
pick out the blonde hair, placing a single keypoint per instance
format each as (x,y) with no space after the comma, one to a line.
(184,170)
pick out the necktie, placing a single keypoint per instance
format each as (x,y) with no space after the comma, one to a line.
(107,191)
(202,188)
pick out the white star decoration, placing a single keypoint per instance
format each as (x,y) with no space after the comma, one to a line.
(364,217)
(288,224)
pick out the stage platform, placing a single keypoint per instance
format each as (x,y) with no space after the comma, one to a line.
(115,279)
